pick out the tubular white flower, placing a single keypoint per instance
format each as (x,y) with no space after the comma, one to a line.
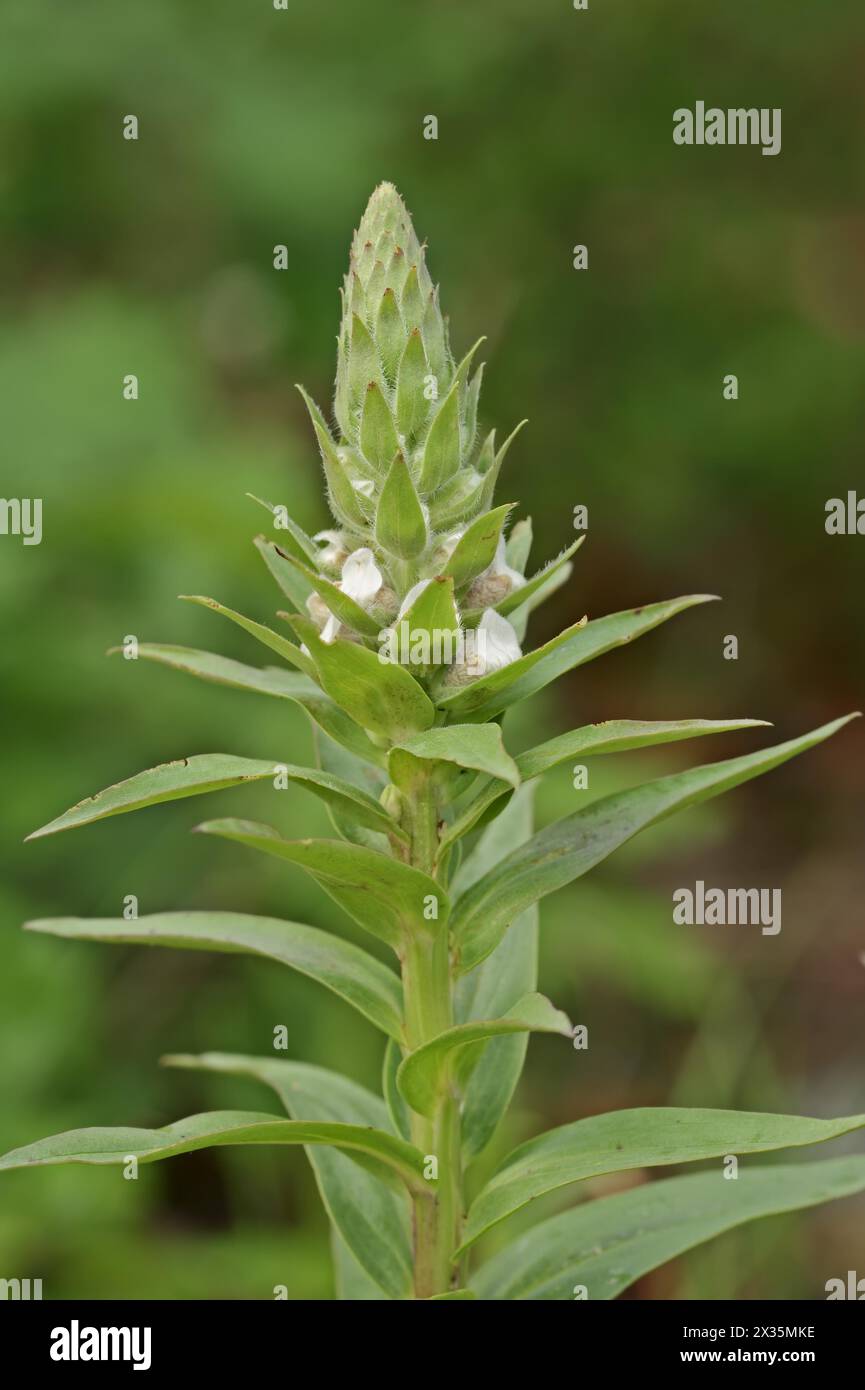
(332,551)
(500,566)
(497,643)
(361,580)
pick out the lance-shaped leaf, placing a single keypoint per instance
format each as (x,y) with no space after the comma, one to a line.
(206,772)
(291,581)
(412,301)
(344,499)
(441,455)
(363,362)
(606,1245)
(296,539)
(427,1073)
(458,499)
(389,332)
(576,645)
(570,847)
(477,747)
(378,437)
(624,1139)
(387,897)
(265,635)
(533,587)
(340,966)
(504,977)
(491,471)
(221,670)
(611,736)
(400,524)
(476,548)
(379,695)
(382,1154)
(428,633)
(371,1218)
(346,609)
(412,406)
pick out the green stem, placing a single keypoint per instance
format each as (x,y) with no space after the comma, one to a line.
(428,1012)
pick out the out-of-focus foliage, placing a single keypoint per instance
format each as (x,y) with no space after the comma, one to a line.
(261,127)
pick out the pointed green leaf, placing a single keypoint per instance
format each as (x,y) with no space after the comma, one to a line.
(572,846)
(379,695)
(344,500)
(389,333)
(355,976)
(206,772)
(576,645)
(383,895)
(412,406)
(221,670)
(400,525)
(378,437)
(441,455)
(607,1244)
(435,339)
(291,581)
(296,539)
(647,1138)
(268,638)
(341,605)
(433,611)
(363,363)
(610,736)
(478,747)
(456,1295)
(462,371)
(476,548)
(491,474)
(471,411)
(412,300)
(457,501)
(371,1219)
(382,1153)
(428,1072)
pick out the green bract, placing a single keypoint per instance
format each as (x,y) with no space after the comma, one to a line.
(404,644)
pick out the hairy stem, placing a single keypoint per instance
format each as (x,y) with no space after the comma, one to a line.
(428,1012)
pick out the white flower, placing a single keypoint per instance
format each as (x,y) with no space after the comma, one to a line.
(332,552)
(501,566)
(497,644)
(361,576)
(361,580)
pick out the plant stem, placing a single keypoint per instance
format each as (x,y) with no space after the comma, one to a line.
(428,1012)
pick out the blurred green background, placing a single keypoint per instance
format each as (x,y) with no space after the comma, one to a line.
(260,127)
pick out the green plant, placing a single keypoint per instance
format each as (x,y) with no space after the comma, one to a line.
(408,620)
